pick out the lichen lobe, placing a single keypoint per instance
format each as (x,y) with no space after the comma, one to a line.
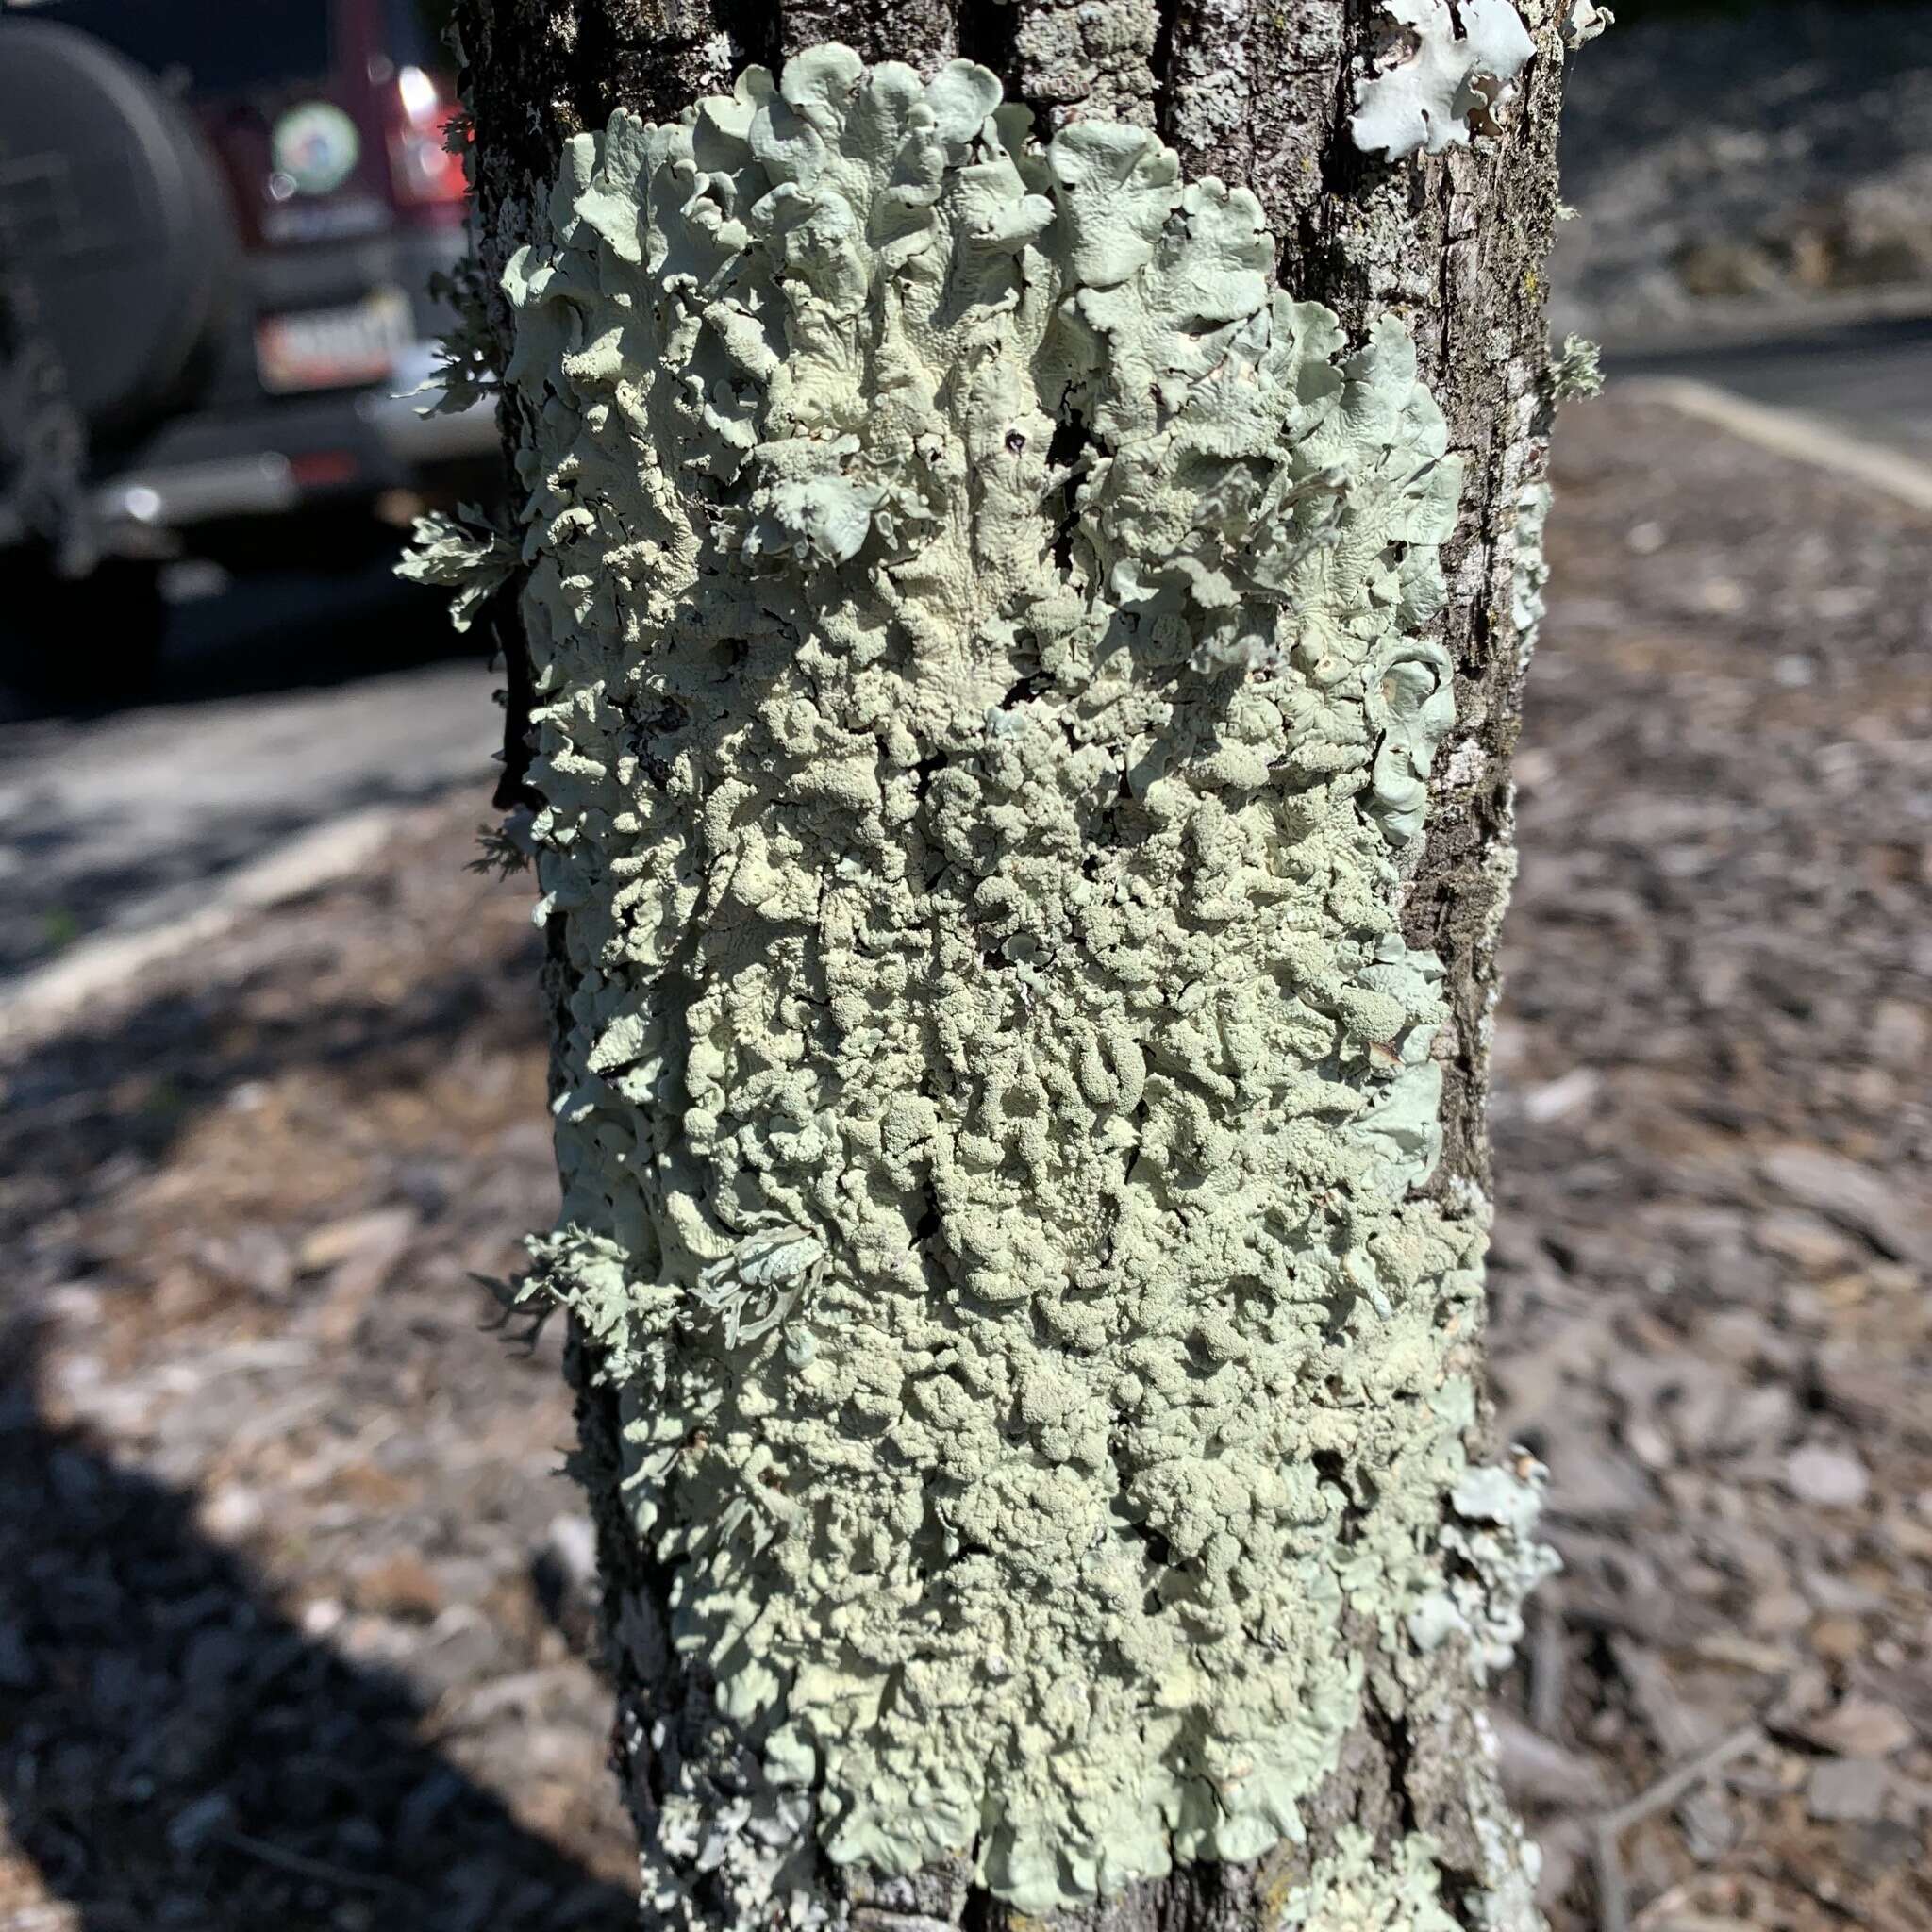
(1450,69)
(987,692)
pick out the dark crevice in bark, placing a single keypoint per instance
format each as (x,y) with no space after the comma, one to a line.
(753,25)
(1072,439)
(1391,1734)
(988,32)
(1167,16)
(923,770)
(503,626)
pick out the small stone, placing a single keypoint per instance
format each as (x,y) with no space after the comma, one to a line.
(321,1616)
(77,1303)
(1910,1536)
(1721,596)
(1831,1478)
(1837,1640)
(1731,1647)
(1859,1728)
(1568,1093)
(571,1543)
(231,1512)
(1838,1593)
(1848,1791)
(255,1258)
(1876,1846)
(1900,1030)
(400,1586)
(194,1825)
(354,1235)
(1856,1196)
(1647,1442)
(1807,1239)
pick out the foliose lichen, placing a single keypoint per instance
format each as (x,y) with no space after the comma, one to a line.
(1576,371)
(1583,20)
(466,374)
(464,554)
(1530,576)
(1450,67)
(981,629)
(1354,1889)
(1496,1561)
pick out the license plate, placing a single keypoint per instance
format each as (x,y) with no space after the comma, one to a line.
(332,348)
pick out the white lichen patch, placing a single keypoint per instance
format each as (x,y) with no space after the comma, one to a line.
(1451,64)
(1496,1561)
(1583,20)
(982,636)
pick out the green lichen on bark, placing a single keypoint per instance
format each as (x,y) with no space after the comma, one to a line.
(1354,1888)
(462,553)
(982,632)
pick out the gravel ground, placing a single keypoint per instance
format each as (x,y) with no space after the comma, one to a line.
(1722,167)
(294,1617)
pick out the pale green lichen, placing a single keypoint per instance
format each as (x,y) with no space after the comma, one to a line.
(461,553)
(1496,1561)
(1583,20)
(1355,1888)
(981,632)
(1530,576)
(1576,371)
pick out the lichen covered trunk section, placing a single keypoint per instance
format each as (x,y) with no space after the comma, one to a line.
(989,644)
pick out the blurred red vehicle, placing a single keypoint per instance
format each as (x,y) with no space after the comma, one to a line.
(219,220)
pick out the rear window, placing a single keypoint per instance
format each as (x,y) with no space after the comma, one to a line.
(209,47)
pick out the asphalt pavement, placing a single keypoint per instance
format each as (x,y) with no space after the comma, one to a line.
(1873,378)
(286,702)
(281,704)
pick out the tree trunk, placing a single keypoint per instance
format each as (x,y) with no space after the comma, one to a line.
(1021,714)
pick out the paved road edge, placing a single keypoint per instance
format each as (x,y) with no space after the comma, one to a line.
(47,998)
(1790,433)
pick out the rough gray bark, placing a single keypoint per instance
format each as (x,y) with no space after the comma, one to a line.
(1256,94)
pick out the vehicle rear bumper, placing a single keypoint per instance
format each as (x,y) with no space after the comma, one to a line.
(259,463)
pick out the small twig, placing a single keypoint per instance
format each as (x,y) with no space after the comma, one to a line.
(1694,1770)
(302,1866)
(1612,1893)
(1548,1660)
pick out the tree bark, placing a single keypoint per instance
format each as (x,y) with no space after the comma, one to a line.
(1453,246)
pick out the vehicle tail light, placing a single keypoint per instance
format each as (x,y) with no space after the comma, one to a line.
(421,167)
(322,468)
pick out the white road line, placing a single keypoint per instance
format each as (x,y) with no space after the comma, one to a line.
(1789,433)
(43,1001)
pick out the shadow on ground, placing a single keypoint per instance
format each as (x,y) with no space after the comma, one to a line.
(175,1746)
(282,630)
(88,1110)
